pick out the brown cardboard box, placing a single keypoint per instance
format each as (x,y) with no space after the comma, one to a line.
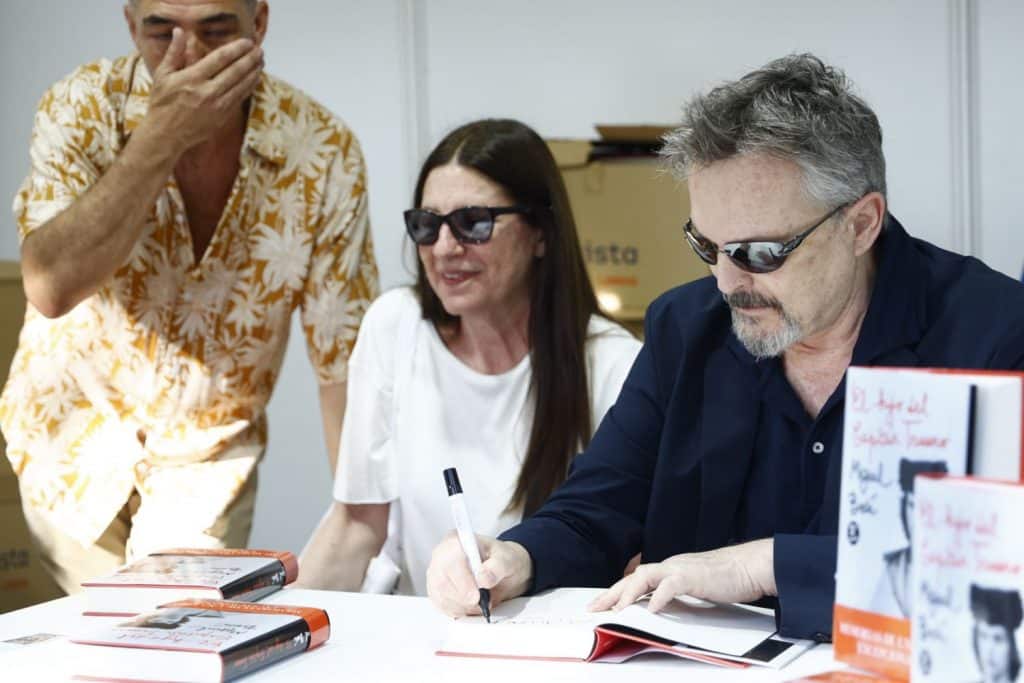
(23,581)
(12,312)
(629,212)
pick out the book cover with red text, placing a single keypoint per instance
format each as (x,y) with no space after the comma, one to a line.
(900,423)
(968,580)
(199,640)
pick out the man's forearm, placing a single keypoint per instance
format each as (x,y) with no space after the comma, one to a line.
(68,258)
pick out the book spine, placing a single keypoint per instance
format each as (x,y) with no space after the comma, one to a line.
(256,585)
(284,642)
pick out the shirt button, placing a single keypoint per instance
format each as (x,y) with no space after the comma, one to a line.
(817,448)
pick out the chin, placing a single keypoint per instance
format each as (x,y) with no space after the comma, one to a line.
(457,306)
(766,341)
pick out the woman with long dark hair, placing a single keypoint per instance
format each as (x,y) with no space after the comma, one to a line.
(498,362)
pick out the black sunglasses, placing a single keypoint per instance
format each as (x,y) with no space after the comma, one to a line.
(469,225)
(754,256)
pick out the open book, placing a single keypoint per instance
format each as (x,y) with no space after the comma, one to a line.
(556,625)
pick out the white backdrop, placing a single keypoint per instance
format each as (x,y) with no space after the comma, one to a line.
(402,72)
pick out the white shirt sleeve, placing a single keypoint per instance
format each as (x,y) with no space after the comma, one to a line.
(611,350)
(367,461)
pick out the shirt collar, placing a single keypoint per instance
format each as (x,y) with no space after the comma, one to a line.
(896,313)
(895,317)
(261,136)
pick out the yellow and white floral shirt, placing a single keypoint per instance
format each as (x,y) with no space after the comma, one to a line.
(161,378)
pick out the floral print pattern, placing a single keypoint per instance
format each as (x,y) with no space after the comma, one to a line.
(165,372)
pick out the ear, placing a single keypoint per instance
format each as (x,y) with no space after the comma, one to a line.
(867,216)
(129,17)
(540,246)
(260,21)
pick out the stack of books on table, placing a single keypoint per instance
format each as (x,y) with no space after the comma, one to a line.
(189,615)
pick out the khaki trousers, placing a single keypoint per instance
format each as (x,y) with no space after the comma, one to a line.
(70,563)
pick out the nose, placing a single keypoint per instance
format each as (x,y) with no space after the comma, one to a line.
(446,244)
(195,49)
(729,276)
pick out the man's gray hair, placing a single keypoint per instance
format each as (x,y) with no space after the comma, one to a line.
(795,108)
(250,3)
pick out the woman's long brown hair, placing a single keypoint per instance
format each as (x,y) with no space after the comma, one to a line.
(561,298)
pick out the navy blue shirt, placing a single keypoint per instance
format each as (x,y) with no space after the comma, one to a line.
(706,446)
(791,449)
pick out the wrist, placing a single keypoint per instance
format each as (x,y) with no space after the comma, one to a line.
(156,144)
(522,577)
(763,566)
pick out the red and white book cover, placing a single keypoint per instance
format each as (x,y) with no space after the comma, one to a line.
(968,580)
(198,641)
(900,423)
(181,573)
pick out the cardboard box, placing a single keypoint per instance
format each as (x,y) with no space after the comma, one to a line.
(629,213)
(23,581)
(12,313)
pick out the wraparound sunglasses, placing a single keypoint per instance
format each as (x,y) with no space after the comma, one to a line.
(755,256)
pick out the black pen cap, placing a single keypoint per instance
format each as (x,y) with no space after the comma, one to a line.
(451,481)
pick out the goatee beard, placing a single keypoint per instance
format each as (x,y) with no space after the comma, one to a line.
(759,343)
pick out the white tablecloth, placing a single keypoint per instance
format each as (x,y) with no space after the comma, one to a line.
(376,638)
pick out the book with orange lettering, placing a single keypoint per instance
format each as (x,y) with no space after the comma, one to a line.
(180,573)
(198,641)
(900,423)
(968,580)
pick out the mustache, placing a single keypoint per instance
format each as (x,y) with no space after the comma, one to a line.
(744,299)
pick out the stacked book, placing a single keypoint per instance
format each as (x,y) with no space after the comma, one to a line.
(181,573)
(199,641)
(189,615)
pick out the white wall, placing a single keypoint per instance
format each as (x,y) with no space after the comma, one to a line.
(1000,134)
(402,72)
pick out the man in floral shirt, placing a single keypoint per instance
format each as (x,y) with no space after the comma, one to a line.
(181,204)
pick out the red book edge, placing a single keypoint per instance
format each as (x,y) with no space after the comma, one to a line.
(605,641)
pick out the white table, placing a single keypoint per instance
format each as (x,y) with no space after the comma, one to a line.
(378,638)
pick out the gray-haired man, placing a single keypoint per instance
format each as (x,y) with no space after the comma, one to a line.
(719,462)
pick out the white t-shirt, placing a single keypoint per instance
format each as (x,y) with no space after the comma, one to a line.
(415,409)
